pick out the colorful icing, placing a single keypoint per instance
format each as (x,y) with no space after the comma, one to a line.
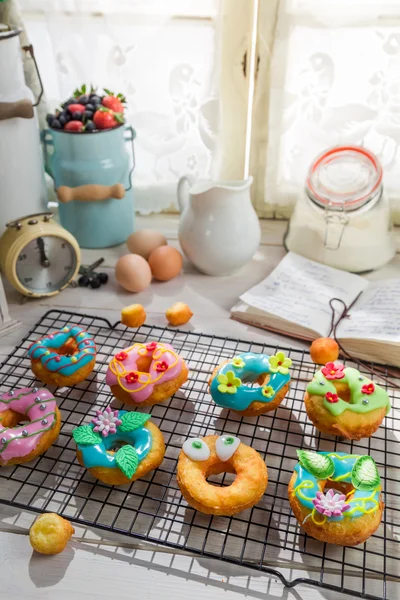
(228,390)
(226,446)
(96,448)
(196,449)
(359,471)
(365,395)
(123,370)
(46,348)
(38,405)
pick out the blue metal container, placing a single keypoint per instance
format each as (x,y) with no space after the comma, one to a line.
(77,159)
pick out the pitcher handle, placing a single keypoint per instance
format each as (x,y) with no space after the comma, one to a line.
(182,191)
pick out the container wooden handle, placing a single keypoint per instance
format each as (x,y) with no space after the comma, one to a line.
(90,192)
(10,110)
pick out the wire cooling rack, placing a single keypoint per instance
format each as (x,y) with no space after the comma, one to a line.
(266,537)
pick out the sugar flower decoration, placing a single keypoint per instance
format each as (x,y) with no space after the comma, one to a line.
(279,363)
(132,377)
(228,384)
(268,391)
(161,366)
(106,422)
(151,347)
(121,356)
(368,388)
(331,397)
(331,504)
(238,362)
(332,371)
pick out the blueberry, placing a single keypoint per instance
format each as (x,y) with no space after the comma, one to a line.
(68,102)
(95,99)
(90,126)
(49,118)
(77,116)
(55,124)
(83,281)
(103,277)
(94,282)
(66,115)
(88,114)
(89,107)
(83,100)
(62,120)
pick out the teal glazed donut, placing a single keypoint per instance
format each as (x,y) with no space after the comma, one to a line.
(64,357)
(228,389)
(119,446)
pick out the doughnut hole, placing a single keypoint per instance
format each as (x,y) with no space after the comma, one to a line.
(50,533)
(337,486)
(220,475)
(67,349)
(10,418)
(144,363)
(342,390)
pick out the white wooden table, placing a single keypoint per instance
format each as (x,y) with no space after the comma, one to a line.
(102,565)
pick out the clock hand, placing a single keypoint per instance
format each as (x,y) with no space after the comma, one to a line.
(43,258)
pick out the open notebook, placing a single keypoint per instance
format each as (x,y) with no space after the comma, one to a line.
(294,300)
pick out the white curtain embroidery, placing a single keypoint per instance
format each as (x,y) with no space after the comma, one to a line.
(162,55)
(335,79)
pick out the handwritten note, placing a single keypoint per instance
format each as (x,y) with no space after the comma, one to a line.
(376,314)
(299,290)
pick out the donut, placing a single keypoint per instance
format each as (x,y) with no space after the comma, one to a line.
(341,401)
(211,455)
(146,374)
(228,383)
(118,447)
(22,443)
(63,358)
(347,513)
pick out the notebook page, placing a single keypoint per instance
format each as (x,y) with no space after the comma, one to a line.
(376,314)
(299,290)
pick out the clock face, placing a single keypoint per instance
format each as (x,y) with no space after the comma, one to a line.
(46,264)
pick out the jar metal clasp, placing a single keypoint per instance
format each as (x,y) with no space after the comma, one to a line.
(335,222)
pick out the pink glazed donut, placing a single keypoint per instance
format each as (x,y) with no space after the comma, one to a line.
(145,374)
(22,443)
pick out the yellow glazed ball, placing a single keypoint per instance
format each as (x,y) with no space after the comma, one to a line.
(165,263)
(178,314)
(145,241)
(324,350)
(133,315)
(50,533)
(133,272)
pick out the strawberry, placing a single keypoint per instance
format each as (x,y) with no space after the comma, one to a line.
(73,126)
(106,119)
(113,103)
(79,108)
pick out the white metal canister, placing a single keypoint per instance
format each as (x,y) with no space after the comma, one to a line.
(22,186)
(343,217)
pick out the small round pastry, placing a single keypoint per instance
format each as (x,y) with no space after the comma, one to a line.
(211,455)
(146,374)
(341,401)
(22,443)
(336,497)
(50,533)
(228,389)
(64,357)
(118,446)
(324,350)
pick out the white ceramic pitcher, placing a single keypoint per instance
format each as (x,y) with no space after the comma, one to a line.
(219,230)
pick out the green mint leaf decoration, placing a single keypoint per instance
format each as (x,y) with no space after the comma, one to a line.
(364,475)
(86,436)
(127,460)
(319,465)
(133,420)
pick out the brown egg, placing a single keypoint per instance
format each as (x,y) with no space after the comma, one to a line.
(165,263)
(145,241)
(133,272)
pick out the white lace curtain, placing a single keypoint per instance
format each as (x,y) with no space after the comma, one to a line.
(329,74)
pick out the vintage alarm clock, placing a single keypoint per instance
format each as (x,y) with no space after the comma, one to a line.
(38,256)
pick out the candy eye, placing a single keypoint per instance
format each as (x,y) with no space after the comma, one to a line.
(226,446)
(196,449)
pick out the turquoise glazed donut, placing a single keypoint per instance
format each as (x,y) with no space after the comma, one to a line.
(119,446)
(64,357)
(228,389)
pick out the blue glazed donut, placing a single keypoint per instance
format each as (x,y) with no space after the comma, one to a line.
(228,382)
